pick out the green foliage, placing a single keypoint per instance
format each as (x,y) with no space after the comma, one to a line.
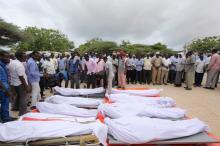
(97,45)
(44,40)
(204,45)
(9,33)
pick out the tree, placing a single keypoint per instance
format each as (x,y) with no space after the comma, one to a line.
(97,45)
(42,39)
(203,45)
(9,33)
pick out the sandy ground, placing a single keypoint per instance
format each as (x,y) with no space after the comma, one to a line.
(199,102)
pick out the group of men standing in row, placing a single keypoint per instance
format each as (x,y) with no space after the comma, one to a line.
(28,75)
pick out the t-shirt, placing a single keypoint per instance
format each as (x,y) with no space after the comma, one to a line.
(16,69)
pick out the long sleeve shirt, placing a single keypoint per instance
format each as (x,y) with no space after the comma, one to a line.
(214,62)
(33,71)
(4,75)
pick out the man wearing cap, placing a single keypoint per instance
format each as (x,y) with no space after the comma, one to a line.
(156,68)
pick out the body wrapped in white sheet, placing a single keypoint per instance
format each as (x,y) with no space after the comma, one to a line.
(77,92)
(23,131)
(76,101)
(151,101)
(117,110)
(139,130)
(146,92)
(52,117)
(65,109)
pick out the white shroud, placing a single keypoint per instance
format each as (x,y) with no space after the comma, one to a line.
(146,92)
(151,101)
(76,101)
(139,130)
(52,117)
(65,109)
(24,131)
(117,110)
(77,92)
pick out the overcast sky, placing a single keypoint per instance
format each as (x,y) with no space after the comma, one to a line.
(173,22)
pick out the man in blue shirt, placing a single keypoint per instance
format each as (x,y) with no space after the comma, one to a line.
(34,77)
(4,86)
(74,70)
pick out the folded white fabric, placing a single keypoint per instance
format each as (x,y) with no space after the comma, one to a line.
(76,101)
(152,101)
(65,109)
(52,117)
(77,92)
(117,110)
(23,131)
(138,130)
(147,92)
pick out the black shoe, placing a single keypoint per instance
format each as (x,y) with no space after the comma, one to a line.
(188,88)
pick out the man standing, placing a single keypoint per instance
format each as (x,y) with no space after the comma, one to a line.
(122,68)
(110,74)
(131,67)
(147,74)
(62,67)
(90,66)
(138,67)
(189,69)
(165,70)
(115,69)
(200,68)
(156,66)
(74,70)
(212,70)
(18,80)
(34,77)
(179,71)
(5,92)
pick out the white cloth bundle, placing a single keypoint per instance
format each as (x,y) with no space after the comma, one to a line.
(139,130)
(76,101)
(23,131)
(117,110)
(151,101)
(65,109)
(77,92)
(146,92)
(52,117)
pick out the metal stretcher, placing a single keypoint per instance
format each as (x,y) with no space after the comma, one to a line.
(84,140)
(200,138)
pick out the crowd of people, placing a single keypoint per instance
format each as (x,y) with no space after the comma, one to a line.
(28,75)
